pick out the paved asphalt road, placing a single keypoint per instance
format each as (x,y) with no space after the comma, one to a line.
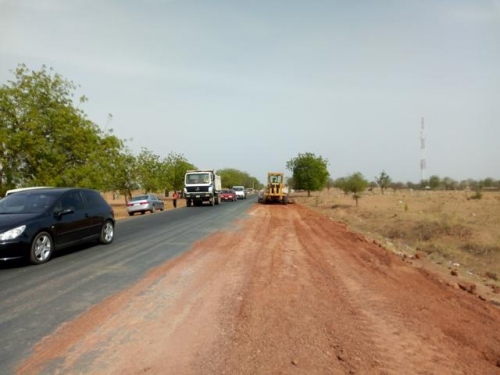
(36,300)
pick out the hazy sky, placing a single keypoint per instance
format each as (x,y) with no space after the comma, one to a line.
(251,84)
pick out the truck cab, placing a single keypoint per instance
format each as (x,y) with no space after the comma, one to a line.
(202,186)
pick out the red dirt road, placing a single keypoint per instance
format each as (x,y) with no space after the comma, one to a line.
(289,292)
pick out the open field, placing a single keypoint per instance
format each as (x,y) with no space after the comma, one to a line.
(447,227)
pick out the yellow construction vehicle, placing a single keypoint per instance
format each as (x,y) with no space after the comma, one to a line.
(276,190)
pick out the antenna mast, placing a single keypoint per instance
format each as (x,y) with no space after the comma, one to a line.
(422,153)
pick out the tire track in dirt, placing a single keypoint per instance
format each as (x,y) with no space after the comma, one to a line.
(407,342)
(393,346)
(278,328)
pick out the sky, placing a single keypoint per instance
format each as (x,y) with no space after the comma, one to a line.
(252,84)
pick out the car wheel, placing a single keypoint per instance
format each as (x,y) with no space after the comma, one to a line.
(143,212)
(162,208)
(107,232)
(41,248)
(130,214)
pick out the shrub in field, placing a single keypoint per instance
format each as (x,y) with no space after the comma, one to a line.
(477,195)
(479,248)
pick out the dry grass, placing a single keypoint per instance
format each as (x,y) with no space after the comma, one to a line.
(450,227)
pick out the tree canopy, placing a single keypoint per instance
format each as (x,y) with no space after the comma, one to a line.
(383,181)
(233,177)
(45,139)
(355,184)
(309,171)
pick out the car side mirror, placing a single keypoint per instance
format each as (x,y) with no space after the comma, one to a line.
(66,211)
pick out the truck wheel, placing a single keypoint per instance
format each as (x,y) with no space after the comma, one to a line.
(188,202)
(211,201)
(285,200)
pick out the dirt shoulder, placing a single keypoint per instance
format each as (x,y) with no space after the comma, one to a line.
(290,292)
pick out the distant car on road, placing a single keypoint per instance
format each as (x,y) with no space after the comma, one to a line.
(144,203)
(240,192)
(228,195)
(36,222)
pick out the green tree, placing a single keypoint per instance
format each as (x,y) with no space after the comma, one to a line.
(233,177)
(150,168)
(434,182)
(397,186)
(125,174)
(448,183)
(329,183)
(45,140)
(175,167)
(383,181)
(355,184)
(488,182)
(254,183)
(309,172)
(341,183)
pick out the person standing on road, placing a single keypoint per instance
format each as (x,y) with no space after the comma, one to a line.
(174,199)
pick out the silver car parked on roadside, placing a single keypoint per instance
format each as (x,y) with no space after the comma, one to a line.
(143,203)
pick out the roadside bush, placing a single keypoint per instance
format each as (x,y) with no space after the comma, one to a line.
(395,232)
(477,195)
(426,230)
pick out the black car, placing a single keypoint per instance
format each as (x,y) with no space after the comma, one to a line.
(35,223)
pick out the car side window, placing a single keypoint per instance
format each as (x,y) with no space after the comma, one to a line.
(71,200)
(93,198)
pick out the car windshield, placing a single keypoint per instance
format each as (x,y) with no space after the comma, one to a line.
(198,178)
(238,188)
(27,202)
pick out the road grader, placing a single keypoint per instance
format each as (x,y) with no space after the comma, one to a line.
(276,191)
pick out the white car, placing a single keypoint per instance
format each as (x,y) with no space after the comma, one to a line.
(241,193)
(143,203)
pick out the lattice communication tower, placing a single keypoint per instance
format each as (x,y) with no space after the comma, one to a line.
(422,153)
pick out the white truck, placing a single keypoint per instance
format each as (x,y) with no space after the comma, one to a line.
(200,186)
